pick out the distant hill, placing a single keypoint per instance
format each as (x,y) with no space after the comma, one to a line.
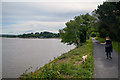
(34,35)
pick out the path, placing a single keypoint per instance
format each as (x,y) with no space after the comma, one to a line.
(104,68)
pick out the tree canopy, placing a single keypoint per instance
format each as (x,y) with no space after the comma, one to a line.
(34,35)
(108,15)
(105,21)
(40,35)
(75,31)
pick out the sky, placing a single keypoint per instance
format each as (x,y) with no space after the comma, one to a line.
(25,17)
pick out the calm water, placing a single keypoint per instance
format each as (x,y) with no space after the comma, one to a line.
(20,54)
(0,58)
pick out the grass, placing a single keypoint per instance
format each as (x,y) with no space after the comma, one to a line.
(68,65)
(100,39)
(115,44)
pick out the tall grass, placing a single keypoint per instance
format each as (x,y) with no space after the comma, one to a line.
(116,46)
(68,65)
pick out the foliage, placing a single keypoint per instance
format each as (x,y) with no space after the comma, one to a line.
(40,35)
(34,35)
(116,46)
(108,22)
(108,15)
(75,31)
(93,34)
(100,39)
(66,67)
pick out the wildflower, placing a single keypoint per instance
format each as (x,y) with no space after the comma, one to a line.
(50,60)
(37,73)
(33,73)
(54,57)
(50,66)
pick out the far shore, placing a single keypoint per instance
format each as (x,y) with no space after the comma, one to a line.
(30,38)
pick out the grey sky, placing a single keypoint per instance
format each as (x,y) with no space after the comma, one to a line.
(24,17)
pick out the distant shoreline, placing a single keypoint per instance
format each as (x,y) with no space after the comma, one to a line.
(30,38)
(39,35)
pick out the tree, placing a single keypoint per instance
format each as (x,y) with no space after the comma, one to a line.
(75,31)
(109,20)
(40,35)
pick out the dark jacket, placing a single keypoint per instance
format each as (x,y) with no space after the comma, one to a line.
(108,46)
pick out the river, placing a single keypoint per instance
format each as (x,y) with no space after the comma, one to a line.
(19,54)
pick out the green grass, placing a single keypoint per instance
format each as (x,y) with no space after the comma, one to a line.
(68,65)
(116,46)
(100,39)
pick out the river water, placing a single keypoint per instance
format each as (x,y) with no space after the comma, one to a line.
(19,54)
(0,58)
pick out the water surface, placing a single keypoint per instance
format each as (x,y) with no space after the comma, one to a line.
(0,58)
(19,54)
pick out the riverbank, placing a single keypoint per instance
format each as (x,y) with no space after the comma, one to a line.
(29,38)
(68,65)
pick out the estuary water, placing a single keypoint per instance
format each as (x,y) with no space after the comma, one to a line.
(20,54)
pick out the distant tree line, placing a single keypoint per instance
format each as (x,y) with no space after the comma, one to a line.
(35,35)
(8,35)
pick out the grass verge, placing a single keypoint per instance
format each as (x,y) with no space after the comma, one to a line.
(116,46)
(68,65)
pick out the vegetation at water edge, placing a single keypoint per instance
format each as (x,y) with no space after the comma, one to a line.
(68,65)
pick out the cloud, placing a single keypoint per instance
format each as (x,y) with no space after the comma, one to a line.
(39,16)
(33,26)
(53,0)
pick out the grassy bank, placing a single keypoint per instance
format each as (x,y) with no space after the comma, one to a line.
(115,44)
(68,65)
